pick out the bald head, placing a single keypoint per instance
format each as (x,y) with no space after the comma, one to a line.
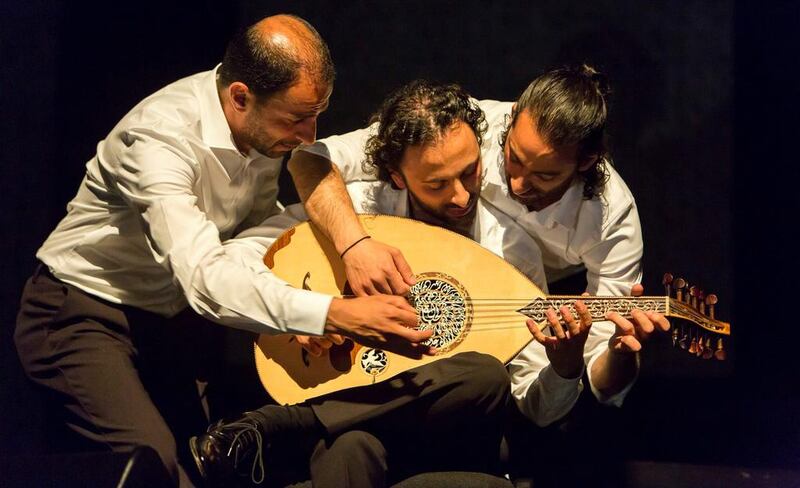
(272,54)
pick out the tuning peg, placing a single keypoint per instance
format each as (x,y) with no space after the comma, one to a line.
(708,352)
(694,290)
(720,353)
(679,285)
(693,345)
(674,336)
(701,301)
(667,282)
(700,346)
(711,300)
(684,338)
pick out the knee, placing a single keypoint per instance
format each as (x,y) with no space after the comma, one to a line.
(487,380)
(361,447)
(355,458)
(487,372)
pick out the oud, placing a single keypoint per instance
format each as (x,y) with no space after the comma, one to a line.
(472,299)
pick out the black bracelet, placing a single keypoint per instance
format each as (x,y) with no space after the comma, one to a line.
(352,245)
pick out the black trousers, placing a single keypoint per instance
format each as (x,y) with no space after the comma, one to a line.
(445,416)
(118,376)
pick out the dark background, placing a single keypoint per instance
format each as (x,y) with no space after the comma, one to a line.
(703,126)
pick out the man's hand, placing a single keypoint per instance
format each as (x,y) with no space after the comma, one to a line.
(372,267)
(317,345)
(630,334)
(565,348)
(380,321)
(617,367)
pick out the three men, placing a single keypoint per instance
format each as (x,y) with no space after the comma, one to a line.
(425,150)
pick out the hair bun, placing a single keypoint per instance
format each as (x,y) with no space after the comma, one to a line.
(598,79)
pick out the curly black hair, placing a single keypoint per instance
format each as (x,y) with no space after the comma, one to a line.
(418,113)
(570,106)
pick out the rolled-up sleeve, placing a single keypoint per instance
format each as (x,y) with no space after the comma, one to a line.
(346,151)
(596,345)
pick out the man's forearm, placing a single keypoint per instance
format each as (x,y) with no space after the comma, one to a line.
(325,197)
(612,372)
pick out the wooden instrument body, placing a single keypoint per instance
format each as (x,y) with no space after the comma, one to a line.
(304,258)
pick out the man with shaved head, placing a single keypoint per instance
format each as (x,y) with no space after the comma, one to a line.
(109,323)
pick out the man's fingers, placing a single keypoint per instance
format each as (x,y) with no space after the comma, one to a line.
(397,283)
(661,323)
(623,325)
(535,331)
(552,318)
(643,325)
(584,314)
(336,339)
(312,347)
(381,285)
(573,326)
(637,290)
(404,269)
(627,343)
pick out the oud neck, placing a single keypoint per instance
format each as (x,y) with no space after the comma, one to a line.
(600,306)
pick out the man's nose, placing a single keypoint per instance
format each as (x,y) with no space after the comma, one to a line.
(519,185)
(307,130)
(460,195)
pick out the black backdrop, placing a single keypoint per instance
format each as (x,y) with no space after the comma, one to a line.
(703,90)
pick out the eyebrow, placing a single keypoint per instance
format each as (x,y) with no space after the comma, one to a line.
(470,165)
(312,111)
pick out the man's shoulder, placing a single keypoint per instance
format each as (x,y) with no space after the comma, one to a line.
(175,106)
(495,111)
(616,193)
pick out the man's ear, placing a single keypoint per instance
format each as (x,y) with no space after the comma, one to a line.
(240,96)
(398,180)
(587,162)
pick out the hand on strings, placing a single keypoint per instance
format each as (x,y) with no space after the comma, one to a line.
(381,321)
(373,267)
(565,347)
(317,345)
(630,334)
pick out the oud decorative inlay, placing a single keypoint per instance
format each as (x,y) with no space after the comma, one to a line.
(598,306)
(442,305)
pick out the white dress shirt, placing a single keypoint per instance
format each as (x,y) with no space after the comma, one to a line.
(166,187)
(541,394)
(602,235)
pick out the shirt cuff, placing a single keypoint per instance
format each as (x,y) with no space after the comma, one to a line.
(308,313)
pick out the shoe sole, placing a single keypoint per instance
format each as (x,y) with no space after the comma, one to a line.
(196,457)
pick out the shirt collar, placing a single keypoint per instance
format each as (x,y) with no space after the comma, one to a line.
(215,128)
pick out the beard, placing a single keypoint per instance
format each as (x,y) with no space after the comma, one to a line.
(438,217)
(536,199)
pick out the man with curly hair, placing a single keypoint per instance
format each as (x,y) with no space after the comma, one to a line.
(446,415)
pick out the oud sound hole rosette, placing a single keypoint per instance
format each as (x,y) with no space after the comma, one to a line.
(443,306)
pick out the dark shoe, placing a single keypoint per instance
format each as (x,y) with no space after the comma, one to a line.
(230,452)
